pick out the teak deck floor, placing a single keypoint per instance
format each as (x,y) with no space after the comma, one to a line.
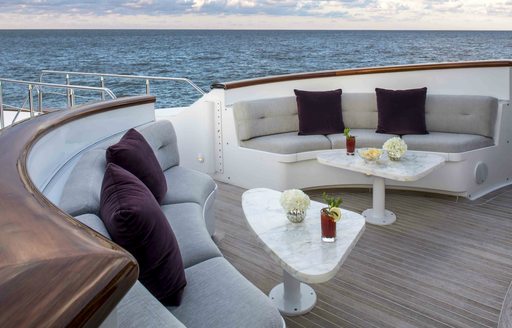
(445,262)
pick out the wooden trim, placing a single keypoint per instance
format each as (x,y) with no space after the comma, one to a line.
(361,71)
(54,271)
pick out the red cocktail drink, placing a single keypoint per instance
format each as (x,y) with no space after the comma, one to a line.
(328,227)
(351,145)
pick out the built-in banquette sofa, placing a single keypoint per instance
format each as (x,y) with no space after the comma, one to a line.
(216,295)
(465,129)
(59,267)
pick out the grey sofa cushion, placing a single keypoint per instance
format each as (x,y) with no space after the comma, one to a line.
(461,114)
(139,308)
(94,222)
(360,110)
(218,296)
(447,142)
(81,193)
(161,136)
(288,143)
(364,138)
(186,220)
(265,116)
(186,185)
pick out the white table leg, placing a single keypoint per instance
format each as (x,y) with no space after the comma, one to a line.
(378,214)
(293,297)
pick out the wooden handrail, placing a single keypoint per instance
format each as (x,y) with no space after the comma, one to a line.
(54,271)
(361,71)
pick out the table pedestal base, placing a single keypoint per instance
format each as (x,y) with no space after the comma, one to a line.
(293,297)
(378,214)
(388,217)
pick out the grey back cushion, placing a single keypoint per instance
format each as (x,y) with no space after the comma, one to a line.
(443,113)
(461,114)
(162,138)
(359,110)
(263,117)
(81,192)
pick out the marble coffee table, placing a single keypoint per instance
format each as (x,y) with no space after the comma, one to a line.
(298,247)
(413,166)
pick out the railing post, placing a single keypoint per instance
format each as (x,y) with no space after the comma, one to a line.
(30,100)
(40,99)
(68,95)
(102,84)
(2,124)
(71,99)
(147,87)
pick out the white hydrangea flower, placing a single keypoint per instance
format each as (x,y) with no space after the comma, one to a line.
(395,147)
(294,199)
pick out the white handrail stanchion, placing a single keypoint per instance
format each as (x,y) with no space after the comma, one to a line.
(30,100)
(102,85)
(68,91)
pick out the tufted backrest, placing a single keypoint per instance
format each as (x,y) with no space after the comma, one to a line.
(461,114)
(359,110)
(443,113)
(263,117)
(81,191)
(162,139)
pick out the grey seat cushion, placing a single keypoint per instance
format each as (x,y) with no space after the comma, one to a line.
(139,308)
(218,296)
(81,193)
(186,185)
(288,143)
(364,138)
(187,223)
(447,142)
(94,222)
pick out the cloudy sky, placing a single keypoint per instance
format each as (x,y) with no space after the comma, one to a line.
(258,14)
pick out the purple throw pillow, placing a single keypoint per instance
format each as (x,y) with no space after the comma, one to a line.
(134,154)
(135,221)
(319,112)
(401,111)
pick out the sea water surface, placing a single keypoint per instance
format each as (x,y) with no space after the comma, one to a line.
(207,56)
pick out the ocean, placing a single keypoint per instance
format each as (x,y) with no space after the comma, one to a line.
(207,56)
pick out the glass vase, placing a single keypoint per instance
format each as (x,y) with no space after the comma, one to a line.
(296,216)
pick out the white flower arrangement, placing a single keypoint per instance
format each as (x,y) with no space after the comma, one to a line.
(395,147)
(294,199)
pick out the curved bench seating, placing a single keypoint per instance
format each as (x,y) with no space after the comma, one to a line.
(216,294)
(467,130)
(61,158)
(455,123)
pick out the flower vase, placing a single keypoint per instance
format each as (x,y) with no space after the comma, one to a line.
(393,158)
(296,216)
(328,227)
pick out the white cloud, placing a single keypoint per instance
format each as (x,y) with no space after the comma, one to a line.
(324,14)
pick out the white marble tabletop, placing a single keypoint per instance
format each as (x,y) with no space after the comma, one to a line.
(413,166)
(298,247)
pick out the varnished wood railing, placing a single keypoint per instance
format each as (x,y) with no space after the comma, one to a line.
(54,271)
(361,71)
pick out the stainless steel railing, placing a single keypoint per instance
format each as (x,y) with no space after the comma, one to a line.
(38,88)
(102,77)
